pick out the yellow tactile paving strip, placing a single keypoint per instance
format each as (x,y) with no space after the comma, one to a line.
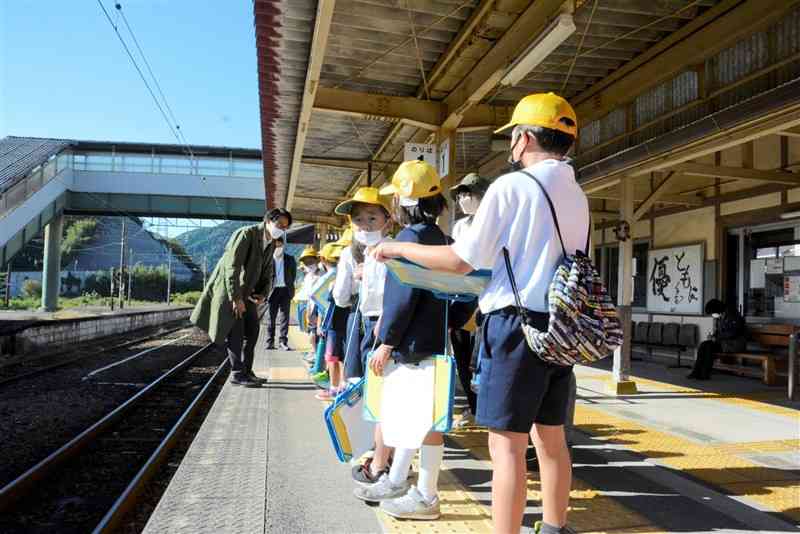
(719,465)
(590,512)
(758,401)
(287,374)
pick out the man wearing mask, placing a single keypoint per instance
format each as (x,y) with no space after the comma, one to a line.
(284,274)
(242,278)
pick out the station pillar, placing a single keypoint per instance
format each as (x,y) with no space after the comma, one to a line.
(51,276)
(622,384)
(445,151)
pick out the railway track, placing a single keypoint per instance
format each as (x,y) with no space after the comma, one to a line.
(38,366)
(93,481)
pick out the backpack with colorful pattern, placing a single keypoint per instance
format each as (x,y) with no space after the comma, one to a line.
(584,325)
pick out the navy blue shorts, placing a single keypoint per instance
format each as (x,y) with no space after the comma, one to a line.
(517,389)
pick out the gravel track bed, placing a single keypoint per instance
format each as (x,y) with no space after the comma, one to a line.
(41,413)
(77,497)
(89,349)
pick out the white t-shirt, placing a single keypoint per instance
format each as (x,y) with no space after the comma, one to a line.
(373,279)
(461,227)
(344,287)
(308,283)
(514,214)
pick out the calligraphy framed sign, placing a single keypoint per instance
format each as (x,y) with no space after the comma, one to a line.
(675,279)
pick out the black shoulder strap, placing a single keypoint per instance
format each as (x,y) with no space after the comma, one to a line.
(555,217)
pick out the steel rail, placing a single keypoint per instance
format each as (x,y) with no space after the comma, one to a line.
(128,499)
(42,370)
(21,485)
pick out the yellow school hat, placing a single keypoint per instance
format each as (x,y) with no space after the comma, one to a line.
(309,252)
(545,110)
(331,252)
(413,180)
(345,239)
(364,195)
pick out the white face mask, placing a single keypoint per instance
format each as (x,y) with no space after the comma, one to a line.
(275,232)
(369,239)
(469,204)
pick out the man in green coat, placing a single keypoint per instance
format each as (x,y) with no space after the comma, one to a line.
(227,309)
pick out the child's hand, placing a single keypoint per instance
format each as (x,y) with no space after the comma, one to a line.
(379,358)
(386,251)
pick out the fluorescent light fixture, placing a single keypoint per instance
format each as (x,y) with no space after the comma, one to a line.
(790,215)
(551,38)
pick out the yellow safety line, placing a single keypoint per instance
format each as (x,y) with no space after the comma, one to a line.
(754,400)
(775,489)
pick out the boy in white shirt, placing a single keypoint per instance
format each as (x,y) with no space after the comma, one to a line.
(520,393)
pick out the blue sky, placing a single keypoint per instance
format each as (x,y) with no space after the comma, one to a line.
(64,74)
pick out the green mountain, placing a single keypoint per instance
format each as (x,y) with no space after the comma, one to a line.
(209,242)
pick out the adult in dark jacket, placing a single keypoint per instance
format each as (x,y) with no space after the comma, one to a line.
(284,273)
(242,279)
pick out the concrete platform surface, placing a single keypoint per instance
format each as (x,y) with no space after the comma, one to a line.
(674,458)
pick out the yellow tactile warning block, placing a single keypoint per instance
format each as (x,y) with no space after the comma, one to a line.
(460,513)
(589,512)
(298,340)
(759,401)
(714,464)
(287,374)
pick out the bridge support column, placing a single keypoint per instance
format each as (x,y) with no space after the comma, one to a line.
(51,277)
(622,384)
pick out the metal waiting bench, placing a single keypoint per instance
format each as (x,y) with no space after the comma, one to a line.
(671,336)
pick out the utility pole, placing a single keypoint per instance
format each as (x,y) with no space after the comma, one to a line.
(169,276)
(204,270)
(122,266)
(111,293)
(130,274)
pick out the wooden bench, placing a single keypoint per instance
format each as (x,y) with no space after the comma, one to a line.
(772,342)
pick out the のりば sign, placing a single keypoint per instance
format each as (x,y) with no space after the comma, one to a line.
(421,151)
(675,279)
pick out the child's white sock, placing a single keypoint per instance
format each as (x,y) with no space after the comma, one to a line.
(400,466)
(430,461)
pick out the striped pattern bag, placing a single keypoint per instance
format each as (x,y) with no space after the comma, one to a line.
(584,325)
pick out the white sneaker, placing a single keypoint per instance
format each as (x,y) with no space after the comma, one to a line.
(412,505)
(466,420)
(381,490)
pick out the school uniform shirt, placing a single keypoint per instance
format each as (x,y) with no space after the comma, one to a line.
(413,319)
(373,281)
(514,214)
(309,279)
(461,227)
(280,279)
(344,287)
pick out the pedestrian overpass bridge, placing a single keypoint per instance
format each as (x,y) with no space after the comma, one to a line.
(43,179)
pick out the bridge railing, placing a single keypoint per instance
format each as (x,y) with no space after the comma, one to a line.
(167,164)
(29,184)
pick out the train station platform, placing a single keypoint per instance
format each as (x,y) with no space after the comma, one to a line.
(674,458)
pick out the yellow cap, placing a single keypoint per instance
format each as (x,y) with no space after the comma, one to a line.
(331,252)
(545,110)
(309,252)
(414,179)
(364,195)
(345,239)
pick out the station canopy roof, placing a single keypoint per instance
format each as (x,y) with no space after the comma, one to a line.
(344,84)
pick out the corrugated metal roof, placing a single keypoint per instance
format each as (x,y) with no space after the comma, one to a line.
(617,32)
(20,155)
